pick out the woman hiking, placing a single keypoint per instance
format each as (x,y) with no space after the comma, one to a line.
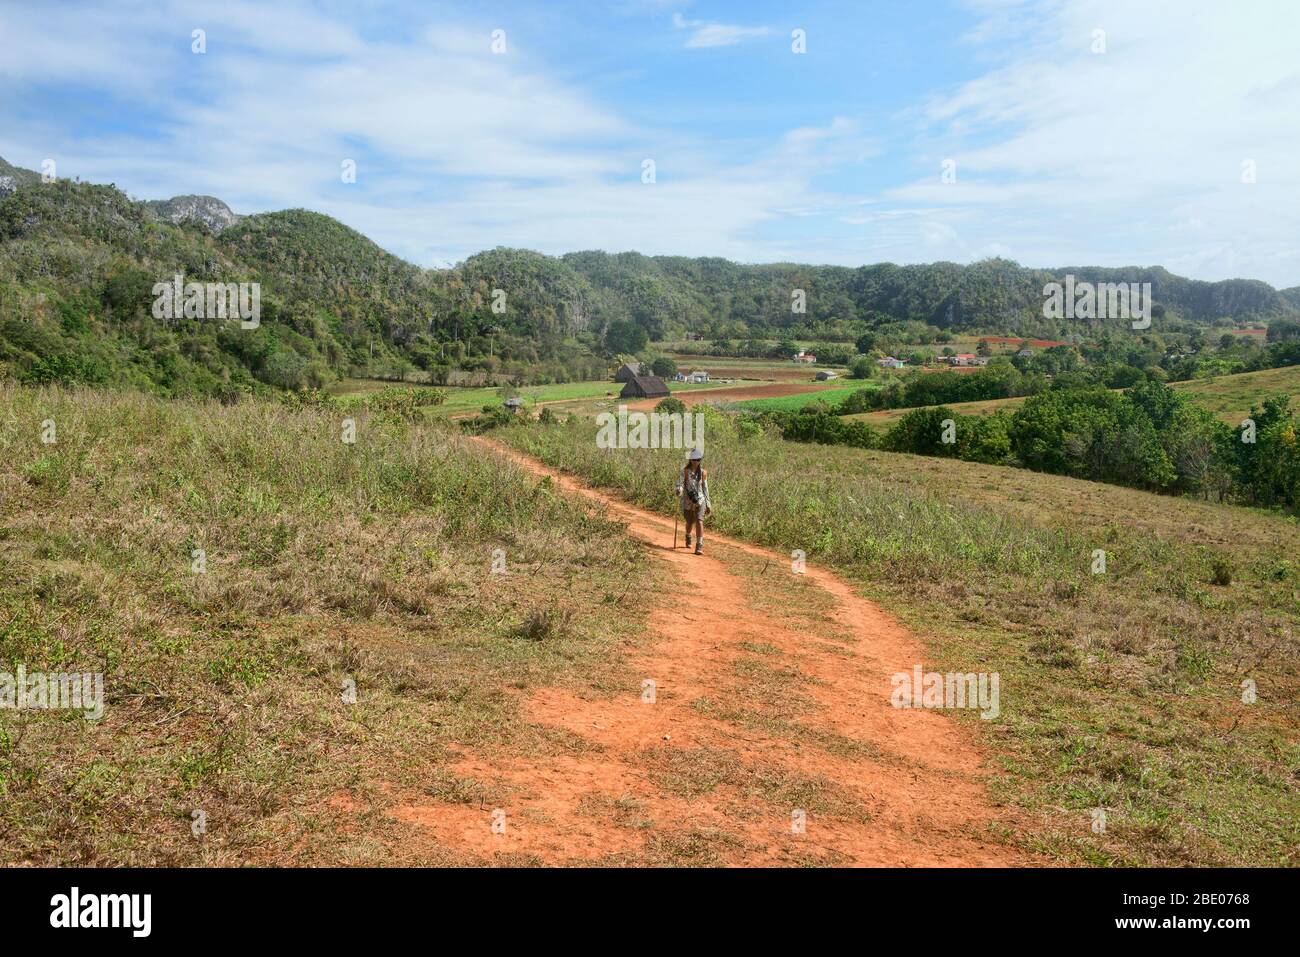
(693,490)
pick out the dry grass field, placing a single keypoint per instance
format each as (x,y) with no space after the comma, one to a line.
(1123,690)
(323,563)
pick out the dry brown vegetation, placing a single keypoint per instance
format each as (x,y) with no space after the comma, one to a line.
(1122,691)
(325,562)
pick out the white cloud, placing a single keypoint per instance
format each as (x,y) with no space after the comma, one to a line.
(1063,157)
(457,149)
(1070,156)
(706,34)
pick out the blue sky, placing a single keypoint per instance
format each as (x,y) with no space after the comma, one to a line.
(1065,152)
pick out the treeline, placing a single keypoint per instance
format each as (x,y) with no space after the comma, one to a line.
(1061,368)
(1149,437)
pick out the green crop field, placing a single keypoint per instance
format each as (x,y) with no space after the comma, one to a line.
(792,403)
(461,400)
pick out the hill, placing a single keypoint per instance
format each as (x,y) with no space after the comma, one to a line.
(79,261)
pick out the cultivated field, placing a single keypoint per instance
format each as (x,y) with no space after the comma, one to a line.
(460,401)
(831,392)
(760,369)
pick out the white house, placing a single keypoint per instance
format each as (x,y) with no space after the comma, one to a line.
(889,362)
(824,375)
(699,375)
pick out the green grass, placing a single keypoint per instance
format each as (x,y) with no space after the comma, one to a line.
(792,403)
(1230,396)
(885,418)
(325,562)
(1119,691)
(460,401)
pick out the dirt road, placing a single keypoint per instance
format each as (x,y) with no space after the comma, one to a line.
(764,723)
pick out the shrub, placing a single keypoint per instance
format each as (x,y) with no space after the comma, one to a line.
(671,404)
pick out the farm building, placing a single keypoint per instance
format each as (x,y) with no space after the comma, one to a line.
(889,362)
(644,387)
(627,371)
(824,375)
(699,375)
(514,403)
(805,357)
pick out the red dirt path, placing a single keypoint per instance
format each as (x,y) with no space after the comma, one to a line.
(921,787)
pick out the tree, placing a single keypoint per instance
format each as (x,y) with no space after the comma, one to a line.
(664,367)
(861,368)
(625,337)
(1283,330)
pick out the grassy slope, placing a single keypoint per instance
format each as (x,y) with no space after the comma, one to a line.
(325,562)
(1120,691)
(1228,396)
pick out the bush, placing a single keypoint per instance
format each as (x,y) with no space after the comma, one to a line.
(671,404)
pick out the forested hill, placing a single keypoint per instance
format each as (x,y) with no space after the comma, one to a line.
(78,263)
(730,300)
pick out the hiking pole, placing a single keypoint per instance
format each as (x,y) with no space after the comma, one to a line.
(674,531)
